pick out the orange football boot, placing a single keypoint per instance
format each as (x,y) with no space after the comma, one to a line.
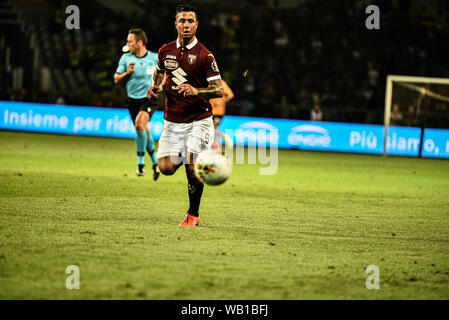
(190,221)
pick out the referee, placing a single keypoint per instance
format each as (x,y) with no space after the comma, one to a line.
(136,67)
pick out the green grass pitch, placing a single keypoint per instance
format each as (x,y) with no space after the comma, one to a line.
(308,232)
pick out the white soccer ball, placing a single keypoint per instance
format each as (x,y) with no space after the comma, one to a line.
(212,168)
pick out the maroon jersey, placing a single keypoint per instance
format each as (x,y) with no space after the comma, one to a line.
(193,64)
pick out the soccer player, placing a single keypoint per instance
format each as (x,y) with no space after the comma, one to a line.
(219,109)
(192,78)
(136,67)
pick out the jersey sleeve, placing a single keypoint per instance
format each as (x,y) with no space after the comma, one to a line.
(122,67)
(212,71)
(155,59)
(160,66)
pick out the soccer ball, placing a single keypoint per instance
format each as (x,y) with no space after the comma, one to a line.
(212,168)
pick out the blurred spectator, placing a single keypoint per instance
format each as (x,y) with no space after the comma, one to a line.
(60,100)
(411,119)
(316,114)
(396,117)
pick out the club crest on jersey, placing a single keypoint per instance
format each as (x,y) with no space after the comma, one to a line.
(192,58)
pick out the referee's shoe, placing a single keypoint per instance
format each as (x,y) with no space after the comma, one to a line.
(140,170)
(156,172)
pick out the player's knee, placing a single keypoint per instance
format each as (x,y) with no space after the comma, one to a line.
(139,126)
(166,169)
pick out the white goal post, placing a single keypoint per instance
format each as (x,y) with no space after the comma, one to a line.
(421,88)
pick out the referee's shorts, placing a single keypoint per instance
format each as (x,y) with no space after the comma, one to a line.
(136,105)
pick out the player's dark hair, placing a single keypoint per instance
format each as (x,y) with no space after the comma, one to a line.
(185,7)
(139,34)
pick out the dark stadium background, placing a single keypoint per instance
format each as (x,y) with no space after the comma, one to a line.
(279,56)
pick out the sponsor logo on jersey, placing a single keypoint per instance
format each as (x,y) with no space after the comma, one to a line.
(169,56)
(192,58)
(171,64)
(178,76)
(309,136)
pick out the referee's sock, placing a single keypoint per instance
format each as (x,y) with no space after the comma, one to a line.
(195,193)
(141,145)
(151,150)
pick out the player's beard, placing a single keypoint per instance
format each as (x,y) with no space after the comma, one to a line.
(186,38)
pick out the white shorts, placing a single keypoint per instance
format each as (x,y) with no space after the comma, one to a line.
(178,139)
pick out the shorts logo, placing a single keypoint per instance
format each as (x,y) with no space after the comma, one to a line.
(148,109)
(192,58)
(171,64)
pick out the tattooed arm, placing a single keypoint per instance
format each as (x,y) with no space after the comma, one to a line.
(157,82)
(214,90)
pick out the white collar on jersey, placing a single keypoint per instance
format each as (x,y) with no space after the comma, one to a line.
(189,46)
